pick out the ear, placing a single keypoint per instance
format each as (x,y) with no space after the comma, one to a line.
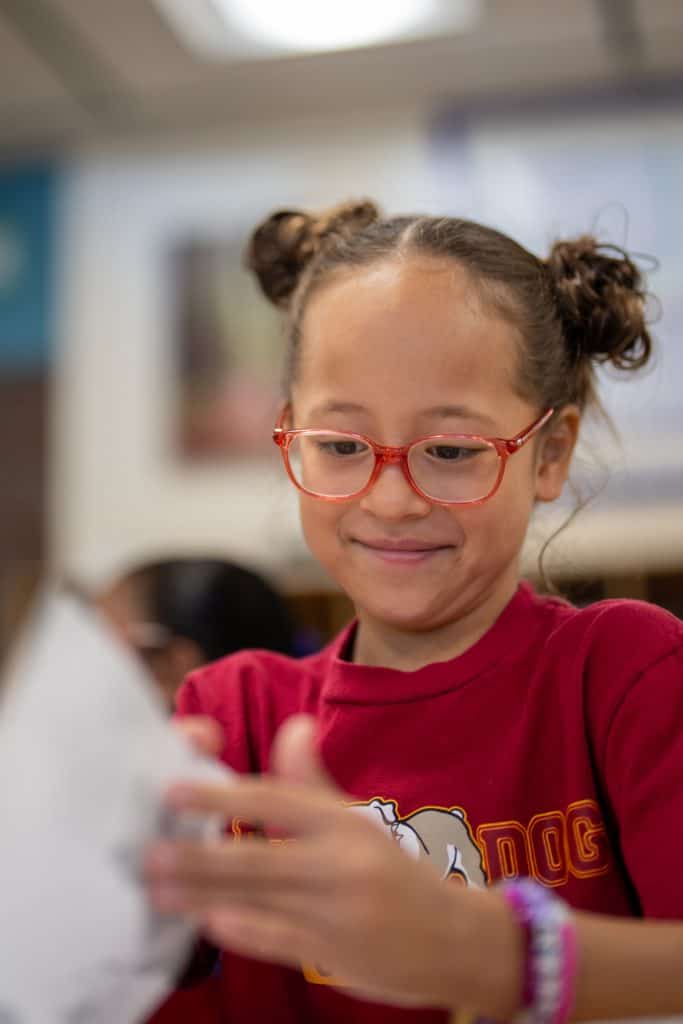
(554,453)
(184,655)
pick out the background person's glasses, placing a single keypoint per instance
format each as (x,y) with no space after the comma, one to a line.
(448,469)
(148,639)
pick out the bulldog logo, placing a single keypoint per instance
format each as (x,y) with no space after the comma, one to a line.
(439,833)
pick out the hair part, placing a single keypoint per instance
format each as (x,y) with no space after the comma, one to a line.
(582,306)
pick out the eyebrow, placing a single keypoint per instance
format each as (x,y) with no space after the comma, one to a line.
(462,412)
(327,407)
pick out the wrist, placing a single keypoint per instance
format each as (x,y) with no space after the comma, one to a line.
(487,956)
(516,954)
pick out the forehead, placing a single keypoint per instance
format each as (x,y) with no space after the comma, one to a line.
(123,602)
(411,331)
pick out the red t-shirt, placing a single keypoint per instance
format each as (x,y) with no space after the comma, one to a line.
(553,748)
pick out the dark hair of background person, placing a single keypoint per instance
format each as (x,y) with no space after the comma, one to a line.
(220,606)
(180,613)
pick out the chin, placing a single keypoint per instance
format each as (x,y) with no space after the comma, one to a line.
(401,611)
(420,606)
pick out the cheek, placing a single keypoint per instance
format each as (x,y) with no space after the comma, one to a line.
(517,490)
(319,522)
(501,522)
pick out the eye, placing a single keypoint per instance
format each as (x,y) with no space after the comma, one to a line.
(343,447)
(450,452)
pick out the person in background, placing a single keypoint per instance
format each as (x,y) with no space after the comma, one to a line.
(180,613)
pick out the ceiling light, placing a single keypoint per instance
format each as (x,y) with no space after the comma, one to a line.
(253,29)
(309,25)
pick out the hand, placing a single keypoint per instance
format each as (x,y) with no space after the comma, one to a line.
(343,895)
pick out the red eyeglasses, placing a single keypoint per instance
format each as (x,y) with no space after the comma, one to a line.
(447,469)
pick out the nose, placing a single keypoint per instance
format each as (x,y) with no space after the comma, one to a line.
(392,496)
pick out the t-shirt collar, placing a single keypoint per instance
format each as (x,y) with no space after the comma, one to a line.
(512,631)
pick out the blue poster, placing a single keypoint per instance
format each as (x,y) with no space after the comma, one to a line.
(27,208)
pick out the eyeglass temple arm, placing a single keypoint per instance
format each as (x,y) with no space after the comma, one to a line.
(516,443)
(278,429)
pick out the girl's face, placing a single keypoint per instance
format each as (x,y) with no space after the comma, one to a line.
(397,351)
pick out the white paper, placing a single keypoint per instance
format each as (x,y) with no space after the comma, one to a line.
(86,751)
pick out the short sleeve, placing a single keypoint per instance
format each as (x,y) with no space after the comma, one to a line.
(643,778)
(249,694)
(188,700)
(220,691)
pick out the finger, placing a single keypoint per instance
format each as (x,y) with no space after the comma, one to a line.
(295,756)
(202,732)
(262,934)
(297,809)
(194,901)
(235,866)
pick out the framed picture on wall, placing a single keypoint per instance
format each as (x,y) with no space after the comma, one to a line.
(229,347)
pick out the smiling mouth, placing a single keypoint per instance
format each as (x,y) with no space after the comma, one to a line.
(403,553)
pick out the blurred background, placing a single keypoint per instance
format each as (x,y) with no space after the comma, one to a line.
(139,143)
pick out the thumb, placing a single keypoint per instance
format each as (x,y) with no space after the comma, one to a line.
(295,756)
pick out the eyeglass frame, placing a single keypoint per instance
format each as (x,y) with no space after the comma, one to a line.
(390,454)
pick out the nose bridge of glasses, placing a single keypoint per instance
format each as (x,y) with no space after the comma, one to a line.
(388,454)
(395,458)
(391,490)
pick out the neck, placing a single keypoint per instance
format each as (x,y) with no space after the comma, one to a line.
(387,646)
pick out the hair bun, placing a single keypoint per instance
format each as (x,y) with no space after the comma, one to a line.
(285,243)
(601,302)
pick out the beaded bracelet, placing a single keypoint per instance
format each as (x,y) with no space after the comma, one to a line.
(550,962)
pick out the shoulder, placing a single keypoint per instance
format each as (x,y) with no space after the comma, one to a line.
(620,653)
(632,634)
(625,632)
(248,674)
(606,647)
(250,694)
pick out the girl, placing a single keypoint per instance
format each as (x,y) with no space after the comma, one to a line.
(438,374)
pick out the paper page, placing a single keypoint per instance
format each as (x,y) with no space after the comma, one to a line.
(86,750)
